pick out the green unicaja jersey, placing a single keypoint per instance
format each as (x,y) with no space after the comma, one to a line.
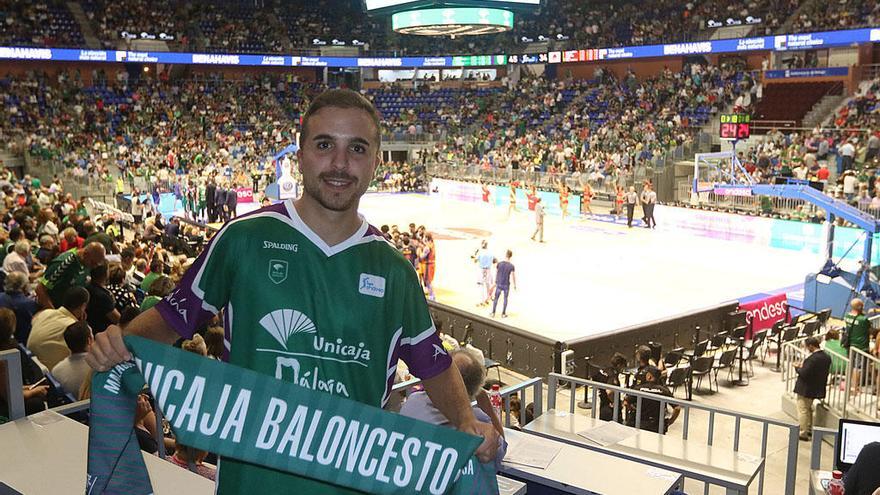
(333,319)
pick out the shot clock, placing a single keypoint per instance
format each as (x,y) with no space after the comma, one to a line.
(735,126)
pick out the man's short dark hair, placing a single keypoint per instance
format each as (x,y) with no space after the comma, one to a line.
(340,98)
(75,297)
(509,253)
(99,272)
(127,254)
(472,369)
(76,336)
(811,342)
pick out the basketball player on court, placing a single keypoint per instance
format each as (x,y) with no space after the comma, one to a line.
(341,278)
(485,191)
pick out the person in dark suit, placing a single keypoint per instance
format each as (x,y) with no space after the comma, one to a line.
(210,205)
(231,201)
(810,384)
(220,202)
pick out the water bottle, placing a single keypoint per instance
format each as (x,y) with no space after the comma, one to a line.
(835,486)
(495,400)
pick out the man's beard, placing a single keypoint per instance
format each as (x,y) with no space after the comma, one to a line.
(329,200)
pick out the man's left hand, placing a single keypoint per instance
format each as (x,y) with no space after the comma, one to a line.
(489,448)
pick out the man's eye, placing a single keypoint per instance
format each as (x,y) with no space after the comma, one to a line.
(323,145)
(357,148)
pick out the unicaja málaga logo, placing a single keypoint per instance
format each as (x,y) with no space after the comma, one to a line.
(282,323)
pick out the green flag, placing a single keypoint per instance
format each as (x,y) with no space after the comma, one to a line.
(239,413)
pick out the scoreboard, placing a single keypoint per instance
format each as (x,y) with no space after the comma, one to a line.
(735,126)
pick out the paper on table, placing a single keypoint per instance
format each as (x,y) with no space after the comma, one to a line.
(608,433)
(532,452)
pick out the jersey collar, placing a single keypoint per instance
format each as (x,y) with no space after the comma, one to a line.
(358,237)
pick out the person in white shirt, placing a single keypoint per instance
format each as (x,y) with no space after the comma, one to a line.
(16,261)
(539,221)
(847,155)
(73,370)
(46,340)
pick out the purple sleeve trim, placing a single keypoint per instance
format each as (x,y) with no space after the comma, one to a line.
(426,359)
(173,320)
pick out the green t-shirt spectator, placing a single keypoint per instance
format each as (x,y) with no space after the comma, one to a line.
(102,238)
(858,327)
(148,281)
(149,302)
(63,272)
(838,355)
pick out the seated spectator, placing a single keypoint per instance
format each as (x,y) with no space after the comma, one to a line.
(864,477)
(651,411)
(214,338)
(122,294)
(70,240)
(68,270)
(33,397)
(72,371)
(93,234)
(46,340)
(16,261)
(158,289)
(609,376)
(137,274)
(48,249)
(473,374)
(836,350)
(101,311)
(155,272)
(23,305)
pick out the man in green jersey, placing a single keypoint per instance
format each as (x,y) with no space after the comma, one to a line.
(313,294)
(857,328)
(68,269)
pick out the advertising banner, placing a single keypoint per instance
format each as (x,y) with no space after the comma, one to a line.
(763,313)
(245,194)
(818,72)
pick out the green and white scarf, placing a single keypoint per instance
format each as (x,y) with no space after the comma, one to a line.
(239,413)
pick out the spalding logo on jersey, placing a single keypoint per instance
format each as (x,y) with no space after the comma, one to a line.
(371,285)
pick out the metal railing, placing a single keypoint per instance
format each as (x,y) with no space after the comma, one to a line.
(462,169)
(862,380)
(852,385)
(820,435)
(715,415)
(78,186)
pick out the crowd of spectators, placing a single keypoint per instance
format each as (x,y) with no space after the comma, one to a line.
(271,26)
(44,23)
(150,131)
(844,156)
(843,14)
(601,127)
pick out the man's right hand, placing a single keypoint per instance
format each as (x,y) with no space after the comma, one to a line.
(107,350)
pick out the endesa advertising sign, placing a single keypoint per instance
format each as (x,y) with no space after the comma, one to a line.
(763,313)
(245,194)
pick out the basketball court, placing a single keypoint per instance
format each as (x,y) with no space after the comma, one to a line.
(589,277)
